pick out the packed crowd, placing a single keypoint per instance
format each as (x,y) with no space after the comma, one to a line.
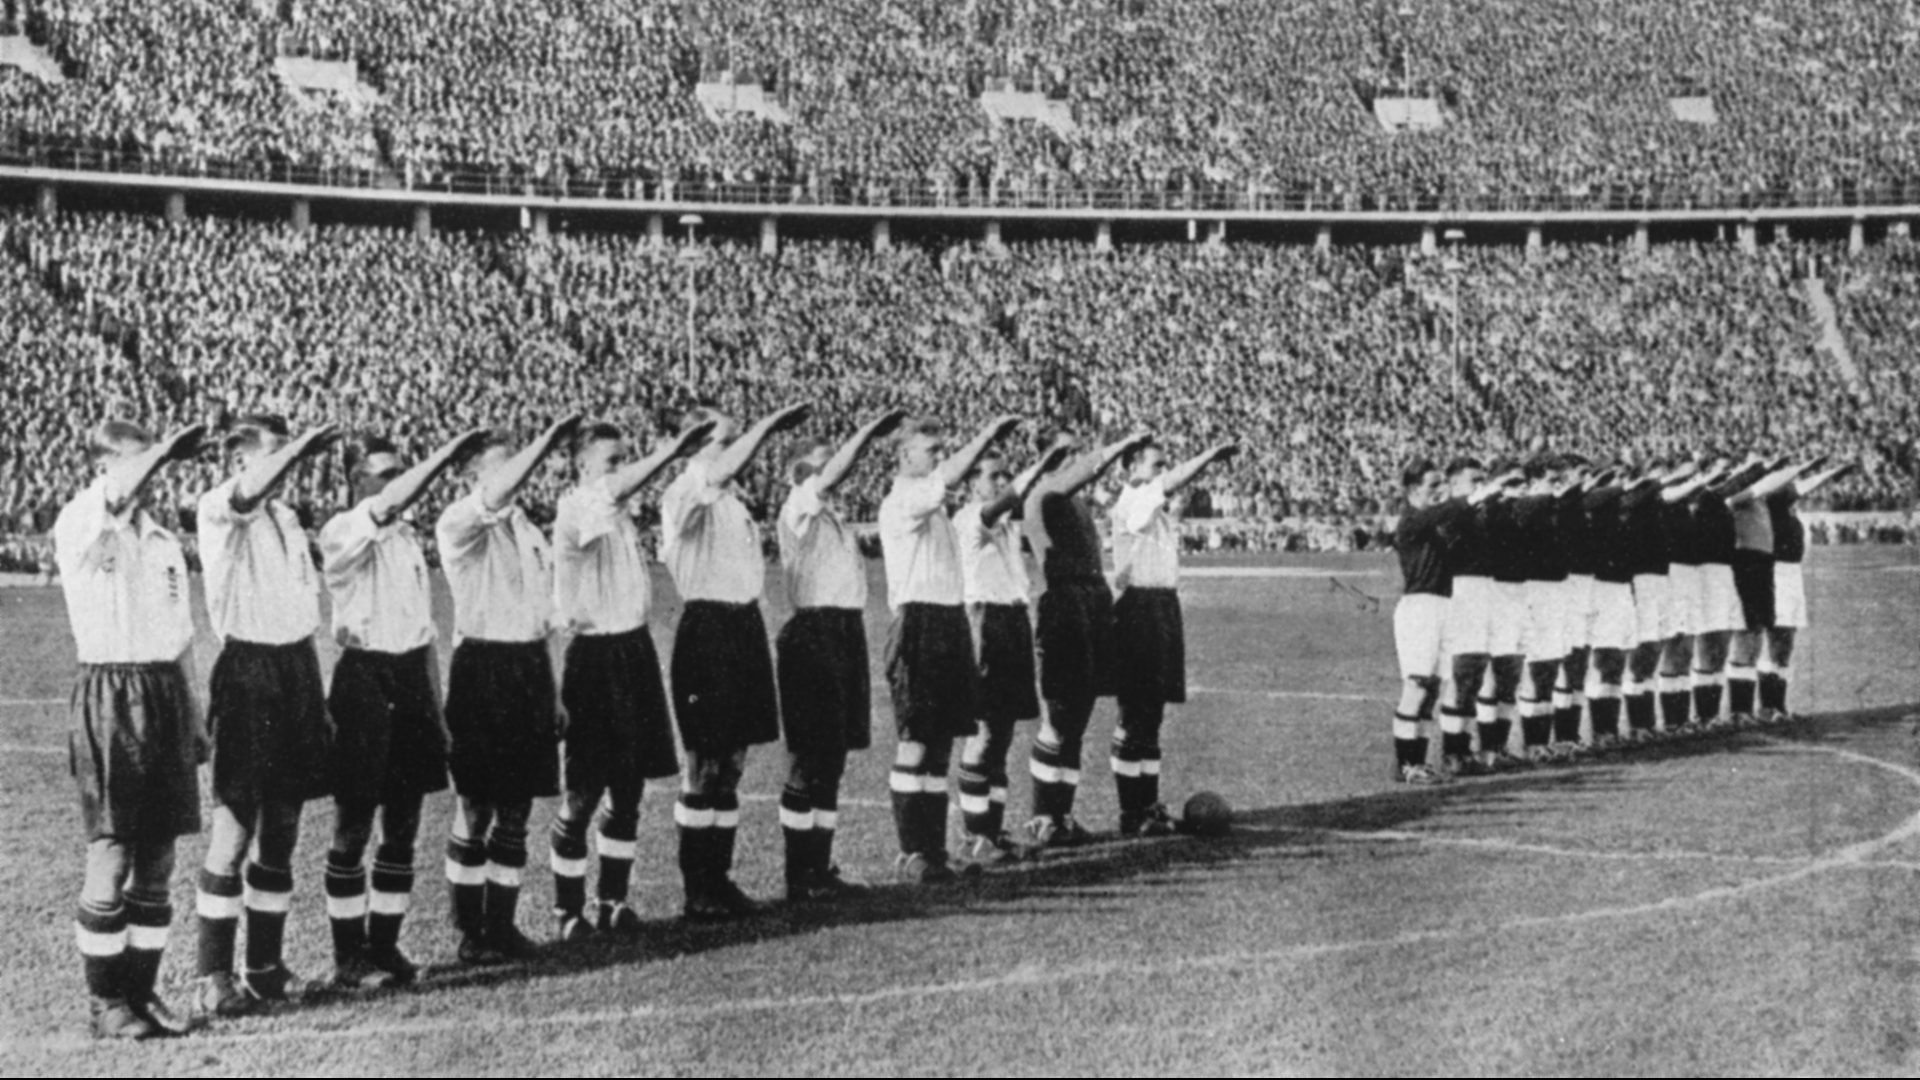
(1194,102)
(1334,367)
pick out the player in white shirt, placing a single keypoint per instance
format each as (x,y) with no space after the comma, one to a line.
(1149,640)
(137,737)
(722,669)
(390,740)
(619,732)
(825,688)
(500,710)
(272,738)
(997,587)
(932,674)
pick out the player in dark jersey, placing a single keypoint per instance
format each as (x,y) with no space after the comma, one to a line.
(1720,617)
(1754,579)
(1610,628)
(1075,638)
(1576,598)
(1686,595)
(1473,610)
(1508,554)
(1420,618)
(1789,589)
(1643,514)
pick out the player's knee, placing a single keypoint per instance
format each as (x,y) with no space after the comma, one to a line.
(108,861)
(909,755)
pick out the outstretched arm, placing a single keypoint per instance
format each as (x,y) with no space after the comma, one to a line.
(959,463)
(500,488)
(407,488)
(1016,494)
(1071,479)
(1807,485)
(735,457)
(843,459)
(130,476)
(631,478)
(1184,473)
(264,474)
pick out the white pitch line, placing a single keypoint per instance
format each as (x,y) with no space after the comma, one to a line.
(1521,848)
(25,702)
(1851,856)
(1302,695)
(27,748)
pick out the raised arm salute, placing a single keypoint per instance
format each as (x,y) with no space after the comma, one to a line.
(1149,636)
(619,732)
(271,734)
(500,691)
(390,740)
(723,691)
(136,737)
(931,671)
(825,688)
(1075,634)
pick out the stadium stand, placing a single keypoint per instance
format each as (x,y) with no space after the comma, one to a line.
(1543,103)
(1335,365)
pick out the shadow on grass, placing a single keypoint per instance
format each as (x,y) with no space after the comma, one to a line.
(1111,871)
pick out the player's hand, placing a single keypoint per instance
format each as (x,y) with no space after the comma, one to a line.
(1052,459)
(467,442)
(693,438)
(564,427)
(886,423)
(788,418)
(1001,425)
(318,438)
(185,443)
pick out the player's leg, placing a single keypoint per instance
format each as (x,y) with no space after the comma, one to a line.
(1570,696)
(219,905)
(567,858)
(814,782)
(100,931)
(1778,674)
(1055,767)
(1741,674)
(1419,639)
(1136,767)
(1501,691)
(149,910)
(506,862)
(1709,673)
(467,877)
(1604,697)
(1536,705)
(614,842)
(1456,739)
(1676,699)
(983,792)
(392,892)
(1643,665)
(269,896)
(346,885)
(708,815)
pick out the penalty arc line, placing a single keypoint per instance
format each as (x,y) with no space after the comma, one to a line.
(1848,857)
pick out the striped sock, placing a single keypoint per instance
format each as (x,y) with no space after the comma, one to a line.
(694,816)
(982,815)
(217,908)
(392,896)
(1740,689)
(797,829)
(506,859)
(100,930)
(346,904)
(616,862)
(567,858)
(467,884)
(149,918)
(1051,795)
(269,895)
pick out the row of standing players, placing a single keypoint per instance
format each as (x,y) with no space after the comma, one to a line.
(960,658)
(1558,594)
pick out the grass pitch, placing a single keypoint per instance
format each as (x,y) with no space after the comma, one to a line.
(1748,905)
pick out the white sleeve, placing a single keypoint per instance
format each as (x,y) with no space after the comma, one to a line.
(77,532)
(462,528)
(919,499)
(591,512)
(802,507)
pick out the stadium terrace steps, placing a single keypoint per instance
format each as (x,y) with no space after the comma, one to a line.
(1832,341)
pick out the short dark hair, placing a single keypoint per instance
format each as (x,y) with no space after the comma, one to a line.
(798,467)
(918,425)
(1461,464)
(365,445)
(251,429)
(695,415)
(1132,454)
(1416,472)
(991,455)
(1502,466)
(1540,465)
(1048,434)
(110,437)
(592,432)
